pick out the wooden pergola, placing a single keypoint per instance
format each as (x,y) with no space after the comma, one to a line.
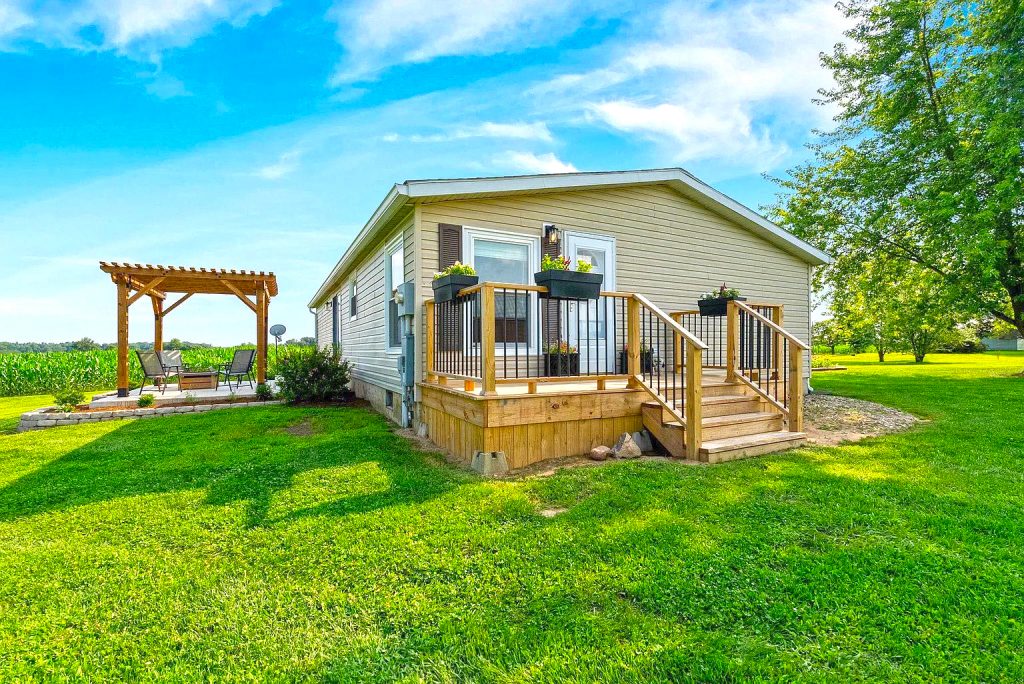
(135,281)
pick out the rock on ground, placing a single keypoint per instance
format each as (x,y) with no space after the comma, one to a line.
(600,453)
(626,447)
(643,440)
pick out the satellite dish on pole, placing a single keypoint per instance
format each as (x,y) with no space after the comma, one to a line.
(278,331)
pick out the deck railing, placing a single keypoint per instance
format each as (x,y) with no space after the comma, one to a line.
(495,333)
(666,360)
(498,333)
(761,354)
(713,330)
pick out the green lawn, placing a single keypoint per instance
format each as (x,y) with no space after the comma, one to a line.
(222,546)
(11,409)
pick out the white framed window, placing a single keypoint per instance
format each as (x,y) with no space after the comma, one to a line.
(502,257)
(353,306)
(394,275)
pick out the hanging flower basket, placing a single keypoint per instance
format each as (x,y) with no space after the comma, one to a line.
(561,283)
(452,280)
(716,302)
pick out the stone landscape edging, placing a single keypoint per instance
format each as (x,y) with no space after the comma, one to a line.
(50,417)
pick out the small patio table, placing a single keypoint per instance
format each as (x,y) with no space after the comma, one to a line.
(194,380)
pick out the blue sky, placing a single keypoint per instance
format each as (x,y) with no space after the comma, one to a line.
(261,134)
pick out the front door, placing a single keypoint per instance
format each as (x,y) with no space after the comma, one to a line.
(593,337)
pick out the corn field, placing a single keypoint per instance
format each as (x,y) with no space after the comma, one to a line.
(43,373)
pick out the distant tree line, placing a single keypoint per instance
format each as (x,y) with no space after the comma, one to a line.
(850,333)
(88,344)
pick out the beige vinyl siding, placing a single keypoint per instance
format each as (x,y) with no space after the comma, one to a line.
(363,339)
(668,247)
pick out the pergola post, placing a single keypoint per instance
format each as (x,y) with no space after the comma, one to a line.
(122,336)
(158,324)
(262,306)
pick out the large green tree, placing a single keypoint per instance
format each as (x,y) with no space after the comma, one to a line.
(926,163)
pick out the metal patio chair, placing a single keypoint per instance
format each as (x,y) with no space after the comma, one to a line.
(171,361)
(240,367)
(153,369)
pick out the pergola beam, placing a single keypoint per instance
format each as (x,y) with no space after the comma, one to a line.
(149,288)
(241,295)
(176,304)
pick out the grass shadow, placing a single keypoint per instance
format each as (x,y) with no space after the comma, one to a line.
(241,455)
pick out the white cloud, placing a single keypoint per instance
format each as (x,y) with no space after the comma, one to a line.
(710,83)
(377,34)
(487,129)
(166,86)
(533,163)
(285,165)
(126,26)
(697,133)
(12,19)
(521,131)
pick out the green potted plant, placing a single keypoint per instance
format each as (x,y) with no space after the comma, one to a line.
(716,302)
(561,359)
(452,280)
(646,359)
(563,283)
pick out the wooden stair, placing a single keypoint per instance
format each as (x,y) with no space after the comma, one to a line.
(735,423)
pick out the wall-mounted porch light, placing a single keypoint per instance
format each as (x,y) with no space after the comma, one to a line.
(551,233)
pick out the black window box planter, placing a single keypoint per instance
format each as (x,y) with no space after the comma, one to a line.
(718,306)
(569,284)
(646,362)
(561,365)
(447,288)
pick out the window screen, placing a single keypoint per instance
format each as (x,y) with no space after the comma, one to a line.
(505,262)
(396,272)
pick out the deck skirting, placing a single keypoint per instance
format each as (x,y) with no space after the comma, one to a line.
(528,428)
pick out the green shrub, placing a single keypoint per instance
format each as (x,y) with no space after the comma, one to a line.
(458,268)
(146,400)
(313,375)
(67,398)
(264,393)
(961,341)
(820,361)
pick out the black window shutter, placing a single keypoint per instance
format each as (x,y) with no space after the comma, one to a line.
(449,316)
(449,245)
(552,323)
(335,321)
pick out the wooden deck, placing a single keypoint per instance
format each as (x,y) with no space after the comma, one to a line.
(559,420)
(695,408)
(569,417)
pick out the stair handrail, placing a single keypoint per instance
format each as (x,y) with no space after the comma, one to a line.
(692,368)
(656,310)
(773,325)
(792,406)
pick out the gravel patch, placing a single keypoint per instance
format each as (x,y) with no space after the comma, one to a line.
(831,419)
